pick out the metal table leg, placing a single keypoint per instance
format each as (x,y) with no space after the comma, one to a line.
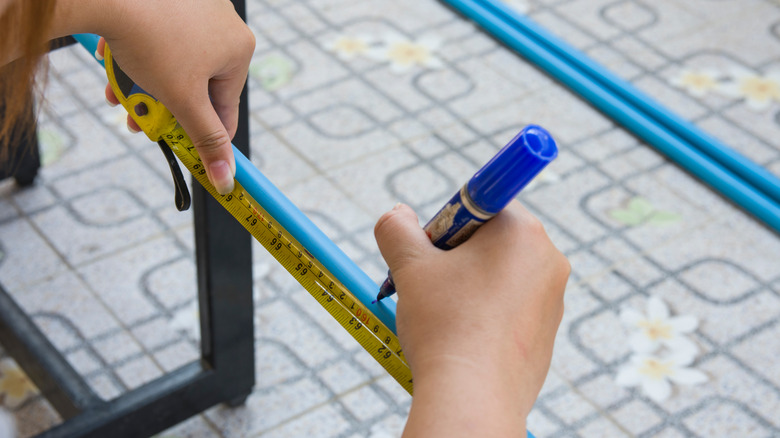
(225,372)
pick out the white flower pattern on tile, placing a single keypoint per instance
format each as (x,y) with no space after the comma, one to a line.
(349,47)
(654,374)
(662,351)
(697,82)
(658,328)
(405,54)
(758,91)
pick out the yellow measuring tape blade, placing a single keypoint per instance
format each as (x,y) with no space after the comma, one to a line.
(376,338)
(368,330)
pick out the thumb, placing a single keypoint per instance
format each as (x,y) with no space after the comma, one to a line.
(212,141)
(400,238)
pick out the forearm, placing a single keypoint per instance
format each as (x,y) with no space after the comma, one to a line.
(86,16)
(68,17)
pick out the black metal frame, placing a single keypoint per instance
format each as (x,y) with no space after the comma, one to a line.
(225,372)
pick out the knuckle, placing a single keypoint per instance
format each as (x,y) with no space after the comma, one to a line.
(560,267)
(562,276)
(565,265)
(560,313)
(525,221)
(244,40)
(210,144)
(534,226)
(249,41)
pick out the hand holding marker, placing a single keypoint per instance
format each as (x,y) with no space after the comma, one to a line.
(488,191)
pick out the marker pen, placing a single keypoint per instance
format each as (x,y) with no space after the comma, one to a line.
(488,191)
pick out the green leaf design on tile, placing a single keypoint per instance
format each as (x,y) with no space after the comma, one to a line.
(626,217)
(639,210)
(663,218)
(52,146)
(641,206)
(273,71)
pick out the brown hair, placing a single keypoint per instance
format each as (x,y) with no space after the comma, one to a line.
(23,30)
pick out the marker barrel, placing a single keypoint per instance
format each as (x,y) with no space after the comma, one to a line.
(488,191)
(456,221)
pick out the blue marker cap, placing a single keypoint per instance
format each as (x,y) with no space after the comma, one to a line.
(514,166)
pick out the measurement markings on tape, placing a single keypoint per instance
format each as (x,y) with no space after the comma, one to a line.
(362,325)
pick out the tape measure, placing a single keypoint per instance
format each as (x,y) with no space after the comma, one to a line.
(159,124)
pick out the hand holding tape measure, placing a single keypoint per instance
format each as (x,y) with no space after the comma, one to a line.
(372,331)
(204,95)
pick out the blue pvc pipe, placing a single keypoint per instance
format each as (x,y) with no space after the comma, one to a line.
(312,238)
(743,167)
(300,227)
(90,42)
(694,161)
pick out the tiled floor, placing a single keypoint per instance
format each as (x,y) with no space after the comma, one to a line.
(98,255)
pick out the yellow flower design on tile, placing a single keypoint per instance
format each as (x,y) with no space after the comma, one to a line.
(15,386)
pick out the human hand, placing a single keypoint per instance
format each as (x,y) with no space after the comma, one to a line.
(195,64)
(477,323)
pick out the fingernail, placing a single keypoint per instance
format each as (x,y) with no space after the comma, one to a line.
(222,177)
(397,206)
(132,130)
(111,104)
(98,56)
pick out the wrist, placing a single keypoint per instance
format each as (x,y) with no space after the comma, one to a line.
(496,378)
(456,397)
